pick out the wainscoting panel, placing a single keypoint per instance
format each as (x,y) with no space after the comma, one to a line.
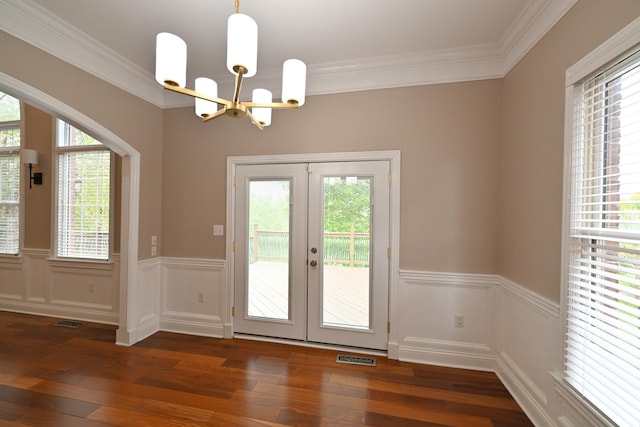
(191,300)
(148,297)
(82,290)
(530,350)
(430,303)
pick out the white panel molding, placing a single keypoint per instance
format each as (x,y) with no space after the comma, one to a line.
(8,260)
(35,25)
(194,263)
(183,278)
(85,313)
(447,353)
(472,350)
(524,390)
(577,412)
(429,278)
(539,303)
(188,323)
(36,282)
(148,297)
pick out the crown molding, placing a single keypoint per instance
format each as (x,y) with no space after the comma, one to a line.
(526,31)
(29,22)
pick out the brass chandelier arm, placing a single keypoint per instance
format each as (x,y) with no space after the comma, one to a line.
(249,104)
(193,93)
(255,121)
(224,102)
(218,113)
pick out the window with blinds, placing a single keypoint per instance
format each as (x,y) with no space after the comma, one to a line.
(602,354)
(83,195)
(9,174)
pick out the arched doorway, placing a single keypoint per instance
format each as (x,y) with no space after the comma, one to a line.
(127,332)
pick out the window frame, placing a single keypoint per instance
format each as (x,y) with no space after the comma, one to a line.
(620,45)
(57,150)
(17,124)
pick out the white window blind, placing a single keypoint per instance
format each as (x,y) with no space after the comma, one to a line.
(83,195)
(9,174)
(602,353)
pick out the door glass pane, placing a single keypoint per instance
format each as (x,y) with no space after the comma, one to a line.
(268,249)
(346,251)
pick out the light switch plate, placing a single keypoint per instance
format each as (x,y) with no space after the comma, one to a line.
(218,230)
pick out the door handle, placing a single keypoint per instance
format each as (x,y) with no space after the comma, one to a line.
(313,263)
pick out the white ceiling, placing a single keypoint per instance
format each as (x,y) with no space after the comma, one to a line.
(347,45)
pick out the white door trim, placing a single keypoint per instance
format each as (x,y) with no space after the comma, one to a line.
(393,156)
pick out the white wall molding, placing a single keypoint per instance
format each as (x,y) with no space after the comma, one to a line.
(577,412)
(524,390)
(543,305)
(427,332)
(80,290)
(431,278)
(192,296)
(447,353)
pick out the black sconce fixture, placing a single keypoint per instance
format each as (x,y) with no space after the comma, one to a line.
(30,157)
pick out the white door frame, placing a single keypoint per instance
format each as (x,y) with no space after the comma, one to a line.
(393,156)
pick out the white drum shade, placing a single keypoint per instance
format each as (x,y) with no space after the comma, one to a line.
(263,115)
(242,44)
(294,81)
(207,87)
(171,60)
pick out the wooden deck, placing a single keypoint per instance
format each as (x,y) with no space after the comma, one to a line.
(346,293)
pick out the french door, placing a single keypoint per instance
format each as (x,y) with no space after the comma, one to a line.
(311,252)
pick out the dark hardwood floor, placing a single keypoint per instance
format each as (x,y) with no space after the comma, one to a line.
(56,376)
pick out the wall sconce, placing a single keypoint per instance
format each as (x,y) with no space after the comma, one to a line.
(30,157)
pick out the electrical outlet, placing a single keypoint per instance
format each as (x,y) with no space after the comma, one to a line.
(154,240)
(200,297)
(218,230)
(459,320)
(92,287)
(154,250)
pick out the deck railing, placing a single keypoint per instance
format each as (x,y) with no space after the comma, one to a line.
(349,249)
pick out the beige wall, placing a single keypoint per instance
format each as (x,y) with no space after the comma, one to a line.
(448,135)
(135,121)
(533,138)
(38,132)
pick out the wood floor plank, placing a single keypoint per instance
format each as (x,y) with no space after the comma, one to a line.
(53,376)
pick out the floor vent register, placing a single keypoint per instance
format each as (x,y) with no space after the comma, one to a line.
(69,324)
(356,360)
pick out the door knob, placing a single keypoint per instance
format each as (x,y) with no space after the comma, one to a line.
(314,250)
(314,263)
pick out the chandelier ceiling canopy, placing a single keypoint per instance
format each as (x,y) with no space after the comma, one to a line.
(242,60)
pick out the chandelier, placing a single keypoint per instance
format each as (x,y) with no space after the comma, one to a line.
(242,58)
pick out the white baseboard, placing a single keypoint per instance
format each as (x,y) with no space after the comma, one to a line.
(525,391)
(451,354)
(184,323)
(85,314)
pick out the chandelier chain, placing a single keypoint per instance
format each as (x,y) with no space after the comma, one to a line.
(237,6)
